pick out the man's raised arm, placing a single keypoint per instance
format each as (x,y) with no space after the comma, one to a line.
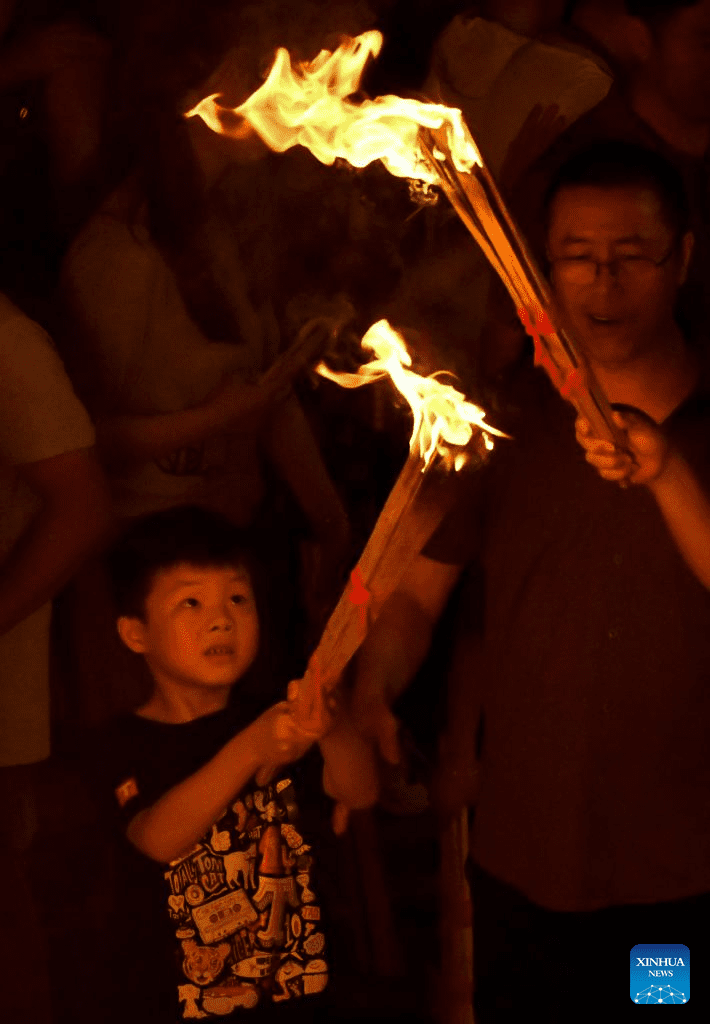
(683,502)
(396,646)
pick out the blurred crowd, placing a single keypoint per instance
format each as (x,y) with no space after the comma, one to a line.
(172,268)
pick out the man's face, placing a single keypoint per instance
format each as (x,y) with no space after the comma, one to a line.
(201,627)
(678,61)
(618,310)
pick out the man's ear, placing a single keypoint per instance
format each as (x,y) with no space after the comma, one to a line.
(132,631)
(687,243)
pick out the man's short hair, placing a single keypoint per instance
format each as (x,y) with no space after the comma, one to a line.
(613,164)
(185,534)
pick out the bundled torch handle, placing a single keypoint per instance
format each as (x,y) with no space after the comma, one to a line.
(480,206)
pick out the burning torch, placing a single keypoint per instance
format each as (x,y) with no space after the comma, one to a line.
(309,104)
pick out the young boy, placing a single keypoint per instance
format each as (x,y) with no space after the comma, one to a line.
(238,908)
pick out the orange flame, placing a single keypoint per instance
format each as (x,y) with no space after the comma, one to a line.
(442,416)
(307,104)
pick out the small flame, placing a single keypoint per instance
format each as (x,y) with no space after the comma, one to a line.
(442,416)
(307,104)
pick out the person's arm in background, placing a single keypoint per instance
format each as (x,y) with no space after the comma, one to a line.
(46,441)
(124,439)
(396,647)
(684,504)
(72,521)
(107,286)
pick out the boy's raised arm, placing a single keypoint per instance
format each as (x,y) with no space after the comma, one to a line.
(179,818)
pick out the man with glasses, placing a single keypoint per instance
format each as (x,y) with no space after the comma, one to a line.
(619,248)
(591,661)
(661,100)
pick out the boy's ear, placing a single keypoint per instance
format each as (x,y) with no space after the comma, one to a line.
(132,631)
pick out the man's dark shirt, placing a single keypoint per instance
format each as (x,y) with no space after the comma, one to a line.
(594,673)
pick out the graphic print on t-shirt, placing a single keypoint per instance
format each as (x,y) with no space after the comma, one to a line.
(246,920)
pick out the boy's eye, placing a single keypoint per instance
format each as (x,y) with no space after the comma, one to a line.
(238,598)
(190,602)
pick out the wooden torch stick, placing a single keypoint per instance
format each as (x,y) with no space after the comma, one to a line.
(415,507)
(417,504)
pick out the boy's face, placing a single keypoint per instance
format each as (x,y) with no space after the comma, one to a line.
(201,628)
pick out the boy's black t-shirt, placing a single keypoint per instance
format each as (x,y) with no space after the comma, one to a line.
(234,927)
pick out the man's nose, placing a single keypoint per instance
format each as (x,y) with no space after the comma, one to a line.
(607,273)
(606,280)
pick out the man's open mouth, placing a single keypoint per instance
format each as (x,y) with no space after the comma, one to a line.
(221,649)
(603,320)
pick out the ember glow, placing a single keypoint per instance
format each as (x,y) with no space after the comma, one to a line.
(308,104)
(442,416)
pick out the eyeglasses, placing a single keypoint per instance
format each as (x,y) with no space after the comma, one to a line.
(583,270)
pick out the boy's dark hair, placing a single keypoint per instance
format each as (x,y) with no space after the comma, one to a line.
(185,534)
(612,164)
